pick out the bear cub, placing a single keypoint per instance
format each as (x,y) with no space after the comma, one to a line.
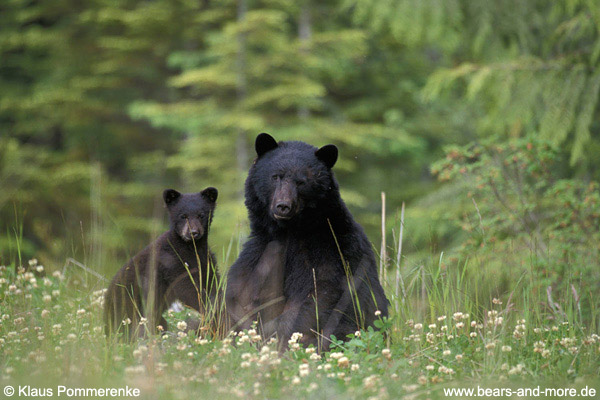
(178,265)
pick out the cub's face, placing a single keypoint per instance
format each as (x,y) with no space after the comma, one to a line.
(190,214)
(291,176)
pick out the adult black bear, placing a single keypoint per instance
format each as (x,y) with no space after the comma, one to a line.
(308,267)
(177,266)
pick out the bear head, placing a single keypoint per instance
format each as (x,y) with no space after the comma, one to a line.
(190,214)
(289,178)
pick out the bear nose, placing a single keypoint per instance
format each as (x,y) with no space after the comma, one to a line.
(283,208)
(195,233)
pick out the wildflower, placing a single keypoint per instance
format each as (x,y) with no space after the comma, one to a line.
(429,367)
(447,352)
(459,357)
(473,324)
(516,369)
(304,370)
(386,353)
(432,326)
(80,312)
(490,346)
(357,333)
(343,362)
(545,353)
(457,316)
(12,288)
(245,364)
(47,298)
(315,357)
(355,367)
(496,301)
(538,346)
(182,325)
(126,321)
(377,313)
(336,355)
(473,334)
(460,325)
(143,321)
(418,327)
(295,380)
(506,349)
(422,379)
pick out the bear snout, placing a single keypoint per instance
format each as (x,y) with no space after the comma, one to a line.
(191,230)
(284,203)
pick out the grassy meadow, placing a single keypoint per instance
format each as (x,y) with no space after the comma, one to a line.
(439,336)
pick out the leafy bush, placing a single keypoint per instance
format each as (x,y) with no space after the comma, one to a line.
(526,210)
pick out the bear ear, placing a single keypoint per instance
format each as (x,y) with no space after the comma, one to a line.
(264,143)
(170,196)
(328,154)
(210,193)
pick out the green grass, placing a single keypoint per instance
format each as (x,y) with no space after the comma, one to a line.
(437,337)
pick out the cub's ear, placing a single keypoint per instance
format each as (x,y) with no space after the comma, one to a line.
(264,143)
(170,196)
(210,193)
(328,154)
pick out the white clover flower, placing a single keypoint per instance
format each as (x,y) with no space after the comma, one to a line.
(386,353)
(182,325)
(377,313)
(343,362)
(506,349)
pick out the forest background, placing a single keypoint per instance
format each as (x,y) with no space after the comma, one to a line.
(481,116)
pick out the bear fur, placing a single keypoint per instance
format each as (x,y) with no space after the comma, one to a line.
(308,266)
(178,265)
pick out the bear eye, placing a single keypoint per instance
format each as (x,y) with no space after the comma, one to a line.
(183,216)
(201,215)
(275,177)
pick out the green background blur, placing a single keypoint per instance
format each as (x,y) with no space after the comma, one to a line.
(103,104)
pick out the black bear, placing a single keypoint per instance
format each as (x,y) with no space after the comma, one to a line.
(307,267)
(178,265)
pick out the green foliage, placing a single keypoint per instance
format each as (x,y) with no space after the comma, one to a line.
(524,207)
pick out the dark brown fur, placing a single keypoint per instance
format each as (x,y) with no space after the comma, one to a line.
(178,265)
